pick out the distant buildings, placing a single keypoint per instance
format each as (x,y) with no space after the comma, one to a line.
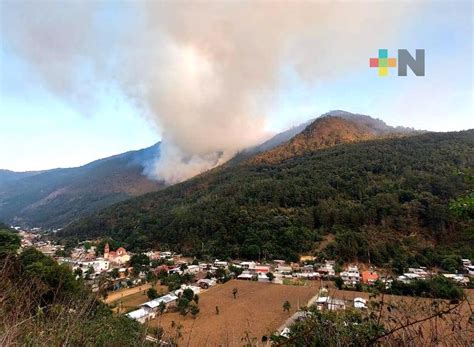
(120,256)
(351,276)
(369,277)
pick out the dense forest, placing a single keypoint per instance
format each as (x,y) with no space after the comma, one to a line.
(384,200)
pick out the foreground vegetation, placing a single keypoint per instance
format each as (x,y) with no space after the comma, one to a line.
(384,200)
(42,304)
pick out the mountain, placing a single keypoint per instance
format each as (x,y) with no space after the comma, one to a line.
(53,198)
(331,129)
(382,199)
(273,142)
(8,177)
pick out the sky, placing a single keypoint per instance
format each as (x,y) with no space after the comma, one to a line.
(85,80)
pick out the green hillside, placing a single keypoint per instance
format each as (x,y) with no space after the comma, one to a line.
(384,199)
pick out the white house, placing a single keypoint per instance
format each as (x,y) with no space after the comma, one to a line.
(153,305)
(328,303)
(248,265)
(220,264)
(351,276)
(192,269)
(360,303)
(141,315)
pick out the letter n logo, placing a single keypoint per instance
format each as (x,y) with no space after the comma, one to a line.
(417,65)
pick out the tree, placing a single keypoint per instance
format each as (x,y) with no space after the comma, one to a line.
(234,292)
(339,283)
(196,299)
(270,276)
(140,262)
(152,293)
(78,272)
(183,305)
(114,273)
(286,306)
(9,242)
(162,307)
(217,310)
(89,272)
(194,310)
(188,294)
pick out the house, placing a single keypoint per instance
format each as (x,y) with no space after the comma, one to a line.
(165,255)
(369,277)
(360,303)
(284,270)
(192,269)
(248,265)
(141,315)
(331,304)
(351,276)
(220,264)
(206,283)
(466,263)
(246,275)
(169,300)
(262,269)
(470,270)
(459,279)
(327,269)
(120,256)
(420,272)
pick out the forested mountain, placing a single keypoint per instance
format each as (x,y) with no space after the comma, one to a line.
(53,198)
(385,199)
(331,129)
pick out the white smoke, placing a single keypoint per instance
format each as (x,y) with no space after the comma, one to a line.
(204,72)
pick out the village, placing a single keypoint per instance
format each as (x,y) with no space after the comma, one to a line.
(159,288)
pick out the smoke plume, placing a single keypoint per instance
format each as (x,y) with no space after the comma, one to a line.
(206,73)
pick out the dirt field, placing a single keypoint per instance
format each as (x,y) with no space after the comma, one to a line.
(257,311)
(132,298)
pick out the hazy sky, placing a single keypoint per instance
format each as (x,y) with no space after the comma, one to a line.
(84,80)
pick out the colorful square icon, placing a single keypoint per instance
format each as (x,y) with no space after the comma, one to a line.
(383,71)
(392,62)
(383,53)
(374,62)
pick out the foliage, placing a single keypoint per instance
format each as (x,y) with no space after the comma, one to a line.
(436,287)
(385,200)
(152,293)
(43,304)
(331,328)
(140,262)
(9,241)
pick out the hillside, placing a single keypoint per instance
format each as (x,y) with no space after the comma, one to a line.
(53,198)
(386,199)
(333,128)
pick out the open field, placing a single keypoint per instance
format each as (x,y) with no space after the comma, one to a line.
(257,311)
(132,298)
